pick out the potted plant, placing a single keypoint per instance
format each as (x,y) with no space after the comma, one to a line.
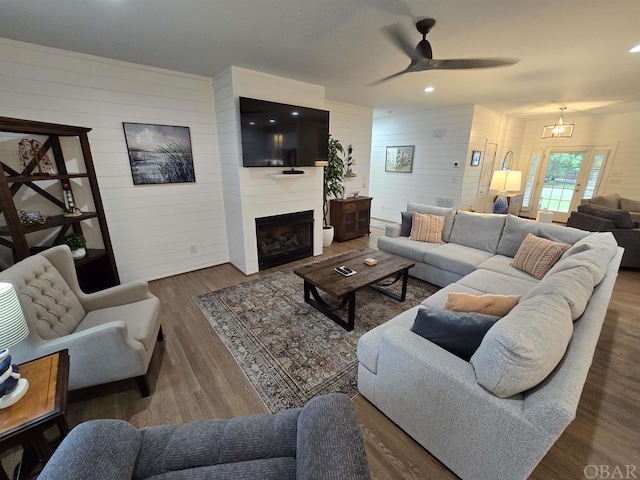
(77,243)
(333,186)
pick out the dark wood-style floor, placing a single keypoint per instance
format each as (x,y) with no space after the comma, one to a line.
(193,376)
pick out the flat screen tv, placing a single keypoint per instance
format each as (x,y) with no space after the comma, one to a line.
(280,135)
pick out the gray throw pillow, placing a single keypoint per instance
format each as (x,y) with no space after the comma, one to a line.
(457,332)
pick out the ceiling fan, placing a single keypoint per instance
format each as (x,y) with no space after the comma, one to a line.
(422,56)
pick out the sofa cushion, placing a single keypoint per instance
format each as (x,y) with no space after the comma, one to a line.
(455,258)
(427,228)
(498,305)
(575,285)
(496,283)
(537,255)
(448,213)
(502,264)
(612,200)
(621,218)
(406,248)
(629,205)
(457,332)
(524,347)
(477,230)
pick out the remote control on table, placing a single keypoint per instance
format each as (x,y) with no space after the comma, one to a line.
(344,270)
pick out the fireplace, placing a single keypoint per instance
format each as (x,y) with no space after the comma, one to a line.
(284,238)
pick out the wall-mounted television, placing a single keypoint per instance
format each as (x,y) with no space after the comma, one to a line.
(280,135)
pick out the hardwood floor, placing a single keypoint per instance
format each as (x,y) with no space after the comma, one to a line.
(193,376)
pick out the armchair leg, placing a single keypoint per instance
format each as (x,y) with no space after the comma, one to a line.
(160,334)
(143,385)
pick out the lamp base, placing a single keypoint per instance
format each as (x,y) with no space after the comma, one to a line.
(501,205)
(16,394)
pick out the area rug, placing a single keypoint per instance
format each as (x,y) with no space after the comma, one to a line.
(288,350)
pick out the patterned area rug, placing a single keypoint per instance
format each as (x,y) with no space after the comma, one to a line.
(288,350)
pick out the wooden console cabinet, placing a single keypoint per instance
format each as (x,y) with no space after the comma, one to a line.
(350,217)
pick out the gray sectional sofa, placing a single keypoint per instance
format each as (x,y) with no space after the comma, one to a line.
(496,415)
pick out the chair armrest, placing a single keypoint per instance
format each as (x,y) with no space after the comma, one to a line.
(392,230)
(114,296)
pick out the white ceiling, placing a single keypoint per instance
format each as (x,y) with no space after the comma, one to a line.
(573,52)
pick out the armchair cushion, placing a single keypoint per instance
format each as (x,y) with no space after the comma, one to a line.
(591,223)
(612,200)
(621,218)
(57,309)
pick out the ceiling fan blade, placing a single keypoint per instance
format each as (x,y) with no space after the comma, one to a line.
(400,39)
(463,63)
(389,77)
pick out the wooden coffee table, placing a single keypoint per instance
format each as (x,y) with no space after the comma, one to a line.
(321,275)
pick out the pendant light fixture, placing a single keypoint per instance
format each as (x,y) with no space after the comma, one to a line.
(559,129)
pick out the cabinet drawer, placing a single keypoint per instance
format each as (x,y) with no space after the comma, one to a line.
(363,204)
(350,207)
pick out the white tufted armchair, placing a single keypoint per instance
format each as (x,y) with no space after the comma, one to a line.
(110,334)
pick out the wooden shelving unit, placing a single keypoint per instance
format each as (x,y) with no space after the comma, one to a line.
(350,217)
(98,269)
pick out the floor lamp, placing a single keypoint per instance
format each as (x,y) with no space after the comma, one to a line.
(13,329)
(504,181)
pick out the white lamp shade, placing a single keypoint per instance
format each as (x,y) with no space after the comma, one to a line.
(506,181)
(13,326)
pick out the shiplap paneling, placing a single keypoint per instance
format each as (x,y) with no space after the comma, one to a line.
(251,193)
(441,138)
(152,227)
(351,124)
(618,132)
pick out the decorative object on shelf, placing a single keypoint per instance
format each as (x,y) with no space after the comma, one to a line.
(355,194)
(471,208)
(13,329)
(475,158)
(77,243)
(505,181)
(350,162)
(558,129)
(31,218)
(70,209)
(159,153)
(31,151)
(399,159)
(333,186)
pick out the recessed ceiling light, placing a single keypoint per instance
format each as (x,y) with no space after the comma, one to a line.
(272,120)
(429,89)
(635,49)
(295,114)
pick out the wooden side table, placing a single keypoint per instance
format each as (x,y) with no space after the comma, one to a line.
(43,406)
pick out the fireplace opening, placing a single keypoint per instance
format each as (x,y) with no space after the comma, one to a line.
(284,238)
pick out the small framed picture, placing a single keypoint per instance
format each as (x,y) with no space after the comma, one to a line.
(475,158)
(399,159)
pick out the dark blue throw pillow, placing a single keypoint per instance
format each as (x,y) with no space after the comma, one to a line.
(407,221)
(457,332)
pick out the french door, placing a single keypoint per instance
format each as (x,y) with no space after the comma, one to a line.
(559,178)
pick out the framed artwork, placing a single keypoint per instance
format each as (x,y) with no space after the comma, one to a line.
(399,159)
(159,153)
(475,158)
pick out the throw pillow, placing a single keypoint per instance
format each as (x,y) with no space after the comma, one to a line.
(457,332)
(537,255)
(405,227)
(612,200)
(629,205)
(498,305)
(427,228)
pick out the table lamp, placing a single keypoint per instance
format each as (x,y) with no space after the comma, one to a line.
(504,181)
(13,329)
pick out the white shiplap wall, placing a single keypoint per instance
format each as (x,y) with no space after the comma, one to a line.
(441,138)
(250,193)
(152,227)
(618,132)
(351,124)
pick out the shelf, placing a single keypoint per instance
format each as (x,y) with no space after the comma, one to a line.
(287,175)
(92,254)
(38,178)
(52,222)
